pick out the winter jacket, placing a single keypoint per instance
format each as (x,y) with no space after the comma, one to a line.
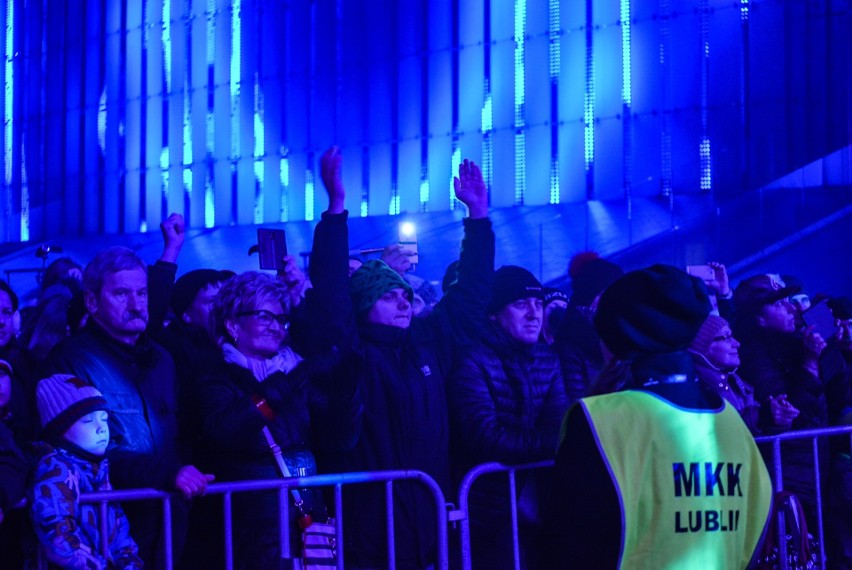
(400,374)
(506,402)
(13,469)
(68,530)
(138,382)
(772,363)
(731,387)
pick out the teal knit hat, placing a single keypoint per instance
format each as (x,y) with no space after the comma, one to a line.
(371,281)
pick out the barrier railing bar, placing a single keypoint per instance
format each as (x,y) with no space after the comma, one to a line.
(338,523)
(390,525)
(779,486)
(516,548)
(337,480)
(804,434)
(104,526)
(167,531)
(229,531)
(462,513)
(819,502)
(284,522)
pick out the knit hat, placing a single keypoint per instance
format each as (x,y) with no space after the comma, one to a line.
(841,308)
(371,281)
(753,293)
(589,276)
(655,310)
(6,367)
(189,284)
(551,294)
(711,329)
(63,399)
(512,283)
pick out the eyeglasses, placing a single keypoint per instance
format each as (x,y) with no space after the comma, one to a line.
(723,337)
(265,318)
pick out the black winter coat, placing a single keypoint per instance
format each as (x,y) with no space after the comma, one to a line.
(400,374)
(506,402)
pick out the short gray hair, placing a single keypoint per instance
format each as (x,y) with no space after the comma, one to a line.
(111,260)
(242,293)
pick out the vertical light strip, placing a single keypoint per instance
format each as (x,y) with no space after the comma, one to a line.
(259,146)
(9,97)
(284,205)
(589,107)
(705,157)
(365,178)
(454,97)
(626,104)
(309,192)
(554,65)
(665,129)
(235,85)
(424,107)
(143,123)
(487,119)
(259,130)
(312,72)
(168,81)
(393,209)
(520,101)
(745,96)
(210,119)
(186,154)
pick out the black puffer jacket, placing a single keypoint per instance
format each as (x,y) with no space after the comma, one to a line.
(400,374)
(506,402)
(138,382)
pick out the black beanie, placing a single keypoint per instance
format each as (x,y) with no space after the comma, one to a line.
(189,284)
(512,283)
(841,308)
(655,310)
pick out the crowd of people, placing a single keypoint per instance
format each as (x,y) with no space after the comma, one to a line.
(122,376)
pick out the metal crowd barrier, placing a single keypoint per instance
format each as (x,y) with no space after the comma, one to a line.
(283,485)
(462,514)
(778,477)
(459,515)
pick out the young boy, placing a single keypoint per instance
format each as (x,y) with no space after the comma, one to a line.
(75,437)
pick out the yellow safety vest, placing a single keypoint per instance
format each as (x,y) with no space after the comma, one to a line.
(693,489)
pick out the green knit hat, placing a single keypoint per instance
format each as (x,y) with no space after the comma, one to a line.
(371,281)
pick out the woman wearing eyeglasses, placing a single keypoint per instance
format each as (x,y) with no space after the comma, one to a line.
(264,383)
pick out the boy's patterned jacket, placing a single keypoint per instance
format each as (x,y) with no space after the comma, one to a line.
(67,530)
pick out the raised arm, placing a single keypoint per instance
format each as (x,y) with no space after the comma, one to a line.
(328,306)
(464,305)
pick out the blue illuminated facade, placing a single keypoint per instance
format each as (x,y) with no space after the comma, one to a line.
(219,109)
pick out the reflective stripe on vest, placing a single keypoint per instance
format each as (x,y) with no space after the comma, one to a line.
(693,489)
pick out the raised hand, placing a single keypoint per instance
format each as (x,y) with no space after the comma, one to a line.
(331,167)
(173,229)
(471,190)
(720,284)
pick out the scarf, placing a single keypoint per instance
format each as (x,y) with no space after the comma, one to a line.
(284,361)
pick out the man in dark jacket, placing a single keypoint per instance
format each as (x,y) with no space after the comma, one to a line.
(137,378)
(399,366)
(506,402)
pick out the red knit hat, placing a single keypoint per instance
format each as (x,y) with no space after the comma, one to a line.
(711,329)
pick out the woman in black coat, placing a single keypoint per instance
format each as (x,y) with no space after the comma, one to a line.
(265,384)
